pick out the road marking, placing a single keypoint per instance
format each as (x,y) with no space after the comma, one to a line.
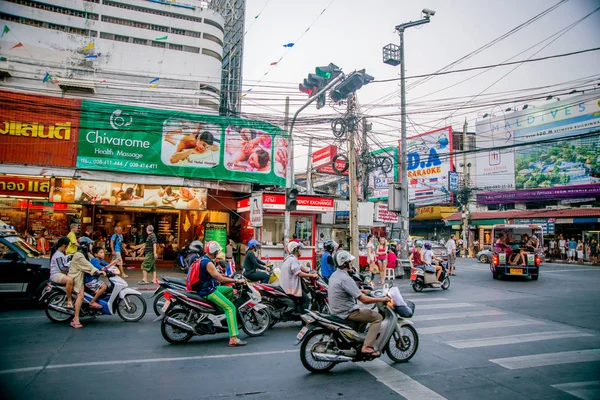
(468,314)
(571,270)
(399,382)
(144,361)
(425,300)
(20,318)
(512,339)
(583,390)
(444,305)
(542,360)
(478,325)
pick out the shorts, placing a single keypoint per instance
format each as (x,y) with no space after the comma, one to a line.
(59,278)
(94,284)
(374,268)
(149,264)
(580,254)
(117,256)
(562,250)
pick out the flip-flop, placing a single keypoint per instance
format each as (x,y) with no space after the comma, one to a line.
(76,325)
(69,306)
(373,353)
(96,306)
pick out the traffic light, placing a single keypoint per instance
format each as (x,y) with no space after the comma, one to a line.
(312,84)
(350,85)
(317,81)
(412,212)
(291,199)
(328,72)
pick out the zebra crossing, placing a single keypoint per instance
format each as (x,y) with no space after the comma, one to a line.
(510,342)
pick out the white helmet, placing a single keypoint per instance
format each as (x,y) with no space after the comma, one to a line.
(213,248)
(293,246)
(343,257)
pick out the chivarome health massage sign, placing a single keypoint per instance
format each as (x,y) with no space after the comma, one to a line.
(165,142)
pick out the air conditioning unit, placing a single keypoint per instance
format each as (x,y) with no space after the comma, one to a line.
(586,206)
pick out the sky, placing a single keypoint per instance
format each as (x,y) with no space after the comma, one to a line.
(351,34)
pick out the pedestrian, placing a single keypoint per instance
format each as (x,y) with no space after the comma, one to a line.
(116,247)
(150,256)
(572,248)
(72,248)
(476,246)
(442,242)
(382,258)
(579,249)
(552,246)
(89,232)
(594,251)
(42,243)
(562,245)
(451,247)
(371,255)
(29,238)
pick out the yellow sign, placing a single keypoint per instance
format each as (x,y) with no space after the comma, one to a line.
(34,129)
(434,212)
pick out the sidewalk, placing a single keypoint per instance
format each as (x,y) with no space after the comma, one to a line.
(135,275)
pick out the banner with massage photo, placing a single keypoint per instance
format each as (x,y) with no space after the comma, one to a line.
(167,142)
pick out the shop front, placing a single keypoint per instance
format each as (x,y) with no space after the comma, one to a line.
(429,222)
(269,227)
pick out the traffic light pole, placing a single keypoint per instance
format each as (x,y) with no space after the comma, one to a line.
(289,173)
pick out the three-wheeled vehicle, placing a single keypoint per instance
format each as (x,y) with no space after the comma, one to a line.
(517,250)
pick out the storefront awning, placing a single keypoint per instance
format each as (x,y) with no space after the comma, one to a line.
(434,212)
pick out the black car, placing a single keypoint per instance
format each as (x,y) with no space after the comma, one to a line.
(23,273)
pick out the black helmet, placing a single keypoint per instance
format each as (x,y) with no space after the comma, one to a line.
(330,246)
(196,247)
(84,243)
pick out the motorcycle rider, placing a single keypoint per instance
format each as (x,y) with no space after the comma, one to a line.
(343,293)
(416,255)
(222,296)
(292,272)
(255,268)
(59,268)
(196,251)
(429,257)
(80,265)
(327,264)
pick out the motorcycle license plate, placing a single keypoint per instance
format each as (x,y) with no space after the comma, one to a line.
(516,271)
(301,334)
(165,307)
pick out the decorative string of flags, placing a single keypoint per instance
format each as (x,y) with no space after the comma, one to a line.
(88,47)
(5,30)
(162,38)
(17,46)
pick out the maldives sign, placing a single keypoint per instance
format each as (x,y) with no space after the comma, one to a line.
(165,142)
(429,162)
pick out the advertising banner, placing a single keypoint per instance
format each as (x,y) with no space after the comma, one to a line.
(428,164)
(127,195)
(24,187)
(383,215)
(38,130)
(217,232)
(256,214)
(523,196)
(323,156)
(164,142)
(383,171)
(567,153)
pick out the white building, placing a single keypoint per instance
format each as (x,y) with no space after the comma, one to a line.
(114,51)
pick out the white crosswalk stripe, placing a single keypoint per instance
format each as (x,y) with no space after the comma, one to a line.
(444,305)
(582,390)
(512,339)
(478,325)
(419,300)
(542,360)
(457,315)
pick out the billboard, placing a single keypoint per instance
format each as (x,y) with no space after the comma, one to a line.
(567,152)
(165,142)
(38,130)
(428,164)
(383,170)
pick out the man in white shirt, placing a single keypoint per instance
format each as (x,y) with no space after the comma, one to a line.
(292,272)
(451,247)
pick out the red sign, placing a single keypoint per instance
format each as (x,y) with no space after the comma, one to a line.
(243,205)
(340,165)
(272,201)
(38,130)
(24,187)
(324,156)
(383,215)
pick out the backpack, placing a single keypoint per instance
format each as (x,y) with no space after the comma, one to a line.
(193,277)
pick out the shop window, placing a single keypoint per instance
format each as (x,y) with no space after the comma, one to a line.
(273,229)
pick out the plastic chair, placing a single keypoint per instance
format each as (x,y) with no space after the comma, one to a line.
(390,274)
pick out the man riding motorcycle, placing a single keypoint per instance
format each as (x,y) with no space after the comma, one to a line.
(255,268)
(292,272)
(343,293)
(327,263)
(208,287)
(429,257)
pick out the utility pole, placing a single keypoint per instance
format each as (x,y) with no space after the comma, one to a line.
(352,179)
(465,200)
(288,172)
(309,185)
(365,170)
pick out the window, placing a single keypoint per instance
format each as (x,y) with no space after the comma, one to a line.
(140,41)
(151,11)
(176,47)
(193,34)
(119,38)
(212,38)
(41,24)
(56,9)
(211,53)
(178,31)
(109,36)
(159,44)
(191,49)
(213,23)
(273,230)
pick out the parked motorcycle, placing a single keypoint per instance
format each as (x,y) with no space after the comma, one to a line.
(119,298)
(186,314)
(423,277)
(181,259)
(327,340)
(165,282)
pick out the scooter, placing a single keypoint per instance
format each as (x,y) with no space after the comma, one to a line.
(185,314)
(423,277)
(181,259)
(119,298)
(327,340)
(165,282)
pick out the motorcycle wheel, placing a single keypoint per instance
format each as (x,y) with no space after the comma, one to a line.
(255,322)
(403,349)
(271,308)
(137,308)
(159,302)
(324,308)
(311,343)
(446,284)
(58,299)
(418,286)
(173,334)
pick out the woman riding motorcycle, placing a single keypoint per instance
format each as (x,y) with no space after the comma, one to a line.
(255,268)
(327,264)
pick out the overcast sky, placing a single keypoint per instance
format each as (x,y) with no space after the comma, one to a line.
(351,34)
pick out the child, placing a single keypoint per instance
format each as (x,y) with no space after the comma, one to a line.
(96,284)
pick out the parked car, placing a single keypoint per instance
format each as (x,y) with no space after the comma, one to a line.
(23,273)
(484,256)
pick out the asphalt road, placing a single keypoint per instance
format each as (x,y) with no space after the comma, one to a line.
(505,339)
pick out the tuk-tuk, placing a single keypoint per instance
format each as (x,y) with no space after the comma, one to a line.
(517,250)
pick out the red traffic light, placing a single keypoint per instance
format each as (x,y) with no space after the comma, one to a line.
(309,90)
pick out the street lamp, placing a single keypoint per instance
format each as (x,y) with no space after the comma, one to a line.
(394,55)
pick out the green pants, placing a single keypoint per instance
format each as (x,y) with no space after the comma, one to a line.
(223,297)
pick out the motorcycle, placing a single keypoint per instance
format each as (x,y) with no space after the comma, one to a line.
(181,259)
(327,340)
(185,314)
(119,298)
(423,277)
(165,282)
(283,307)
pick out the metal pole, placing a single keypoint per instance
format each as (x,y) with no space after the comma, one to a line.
(309,186)
(404,229)
(352,183)
(288,173)
(365,150)
(465,188)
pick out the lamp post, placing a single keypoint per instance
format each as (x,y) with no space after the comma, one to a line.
(394,55)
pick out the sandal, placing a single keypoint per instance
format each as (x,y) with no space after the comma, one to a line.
(373,353)
(76,325)
(237,343)
(143,282)
(96,306)
(125,276)
(69,306)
